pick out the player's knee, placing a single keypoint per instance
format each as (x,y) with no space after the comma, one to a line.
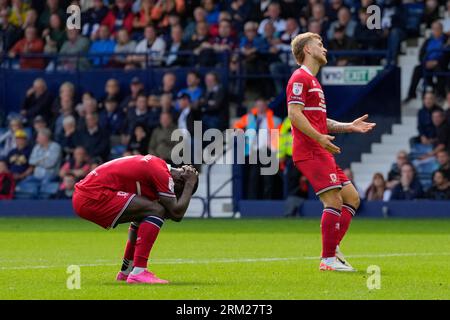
(353,200)
(333,200)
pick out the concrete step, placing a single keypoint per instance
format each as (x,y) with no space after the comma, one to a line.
(403,130)
(388,148)
(394,139)
(358,167)
(376,158)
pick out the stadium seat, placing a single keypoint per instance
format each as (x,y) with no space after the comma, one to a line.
(48,190)
(25,190)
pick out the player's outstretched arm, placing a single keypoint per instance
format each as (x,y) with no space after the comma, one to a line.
(176,208)
(358,125)
(299,121)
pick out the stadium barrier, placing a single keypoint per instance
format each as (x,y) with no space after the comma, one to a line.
(250,209)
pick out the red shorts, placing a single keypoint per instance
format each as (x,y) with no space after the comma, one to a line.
(322,172)
(101,206)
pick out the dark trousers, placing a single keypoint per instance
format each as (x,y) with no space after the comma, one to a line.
(418,74)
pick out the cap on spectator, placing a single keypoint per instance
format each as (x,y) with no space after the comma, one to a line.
(136,80)
(39,118)
(21,134)
(183,95)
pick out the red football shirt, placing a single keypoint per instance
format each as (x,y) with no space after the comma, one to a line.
(304,88)
(147,175)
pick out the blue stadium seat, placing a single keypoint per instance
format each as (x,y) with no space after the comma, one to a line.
(48,190)
(25,190)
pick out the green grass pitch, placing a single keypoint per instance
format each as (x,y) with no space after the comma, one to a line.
(226,259)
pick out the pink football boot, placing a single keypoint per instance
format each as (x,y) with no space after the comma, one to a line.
(121,276)
(145,277)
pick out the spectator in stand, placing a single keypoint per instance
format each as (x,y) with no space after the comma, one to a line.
(212,11)
(77,165)
(168,85)
(139,114)
(213,104)
(30,44)
(52,7)
(442,140)
(441,187)
(409,187)
(345,21)
(446,20)
(31,20)
(333,9)
(443,160)
(94,138)
(9,33)
(252,47)
(112,91)
(75,45)
(368,39)
(93,17)
(54,35)
(341,42)
(199,44)
(154,110)
(240,12)
(67,109)
(102,45)
(393,23)
(8,139)
(119,17)
(38,101)
(152,46)
(164,10)
(188,113)
(224,41)
(45,158)
(394,172)
(191,27)
(67,138)
(18,13)
(129,102)
(430,60)
(427,131)
(260,117)
(68,188)
(112,118)
(66,92)
(161,143)
(7,183)
(39,123)
(214,28)
(273,16)
(167,104)
(124,47)
(431,12)
(318,14)
(144,17)
(174,46)
(18,158)
(193,87)
(139,140)
(377,189)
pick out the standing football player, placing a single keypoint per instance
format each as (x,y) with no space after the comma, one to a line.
(313,148)
(142,190)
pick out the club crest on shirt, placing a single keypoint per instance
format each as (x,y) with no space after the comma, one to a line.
(333,177)
(297,88)
(171,185)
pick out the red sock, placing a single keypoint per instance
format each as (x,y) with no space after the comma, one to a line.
(131,243)
(147,234)
(346,217)
(330,231)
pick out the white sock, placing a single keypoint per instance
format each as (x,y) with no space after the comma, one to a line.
(137,270)
(329,260)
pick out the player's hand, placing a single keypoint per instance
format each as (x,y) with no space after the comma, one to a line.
(325,142)
(190,174)
(361,126)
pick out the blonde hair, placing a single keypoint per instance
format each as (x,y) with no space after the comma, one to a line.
(299,43)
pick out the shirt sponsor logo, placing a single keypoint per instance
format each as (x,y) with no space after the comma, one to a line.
(333,177)
(122,194)
(297,88)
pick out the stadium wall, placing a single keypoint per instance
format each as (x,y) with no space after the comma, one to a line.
(250,209)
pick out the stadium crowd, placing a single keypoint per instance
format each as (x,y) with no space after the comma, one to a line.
(57,138)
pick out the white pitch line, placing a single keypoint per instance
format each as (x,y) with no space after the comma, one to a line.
(231,260)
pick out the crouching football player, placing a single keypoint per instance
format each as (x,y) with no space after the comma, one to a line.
(142,190)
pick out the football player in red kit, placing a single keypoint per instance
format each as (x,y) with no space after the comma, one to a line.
(313,148)
(142,190)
